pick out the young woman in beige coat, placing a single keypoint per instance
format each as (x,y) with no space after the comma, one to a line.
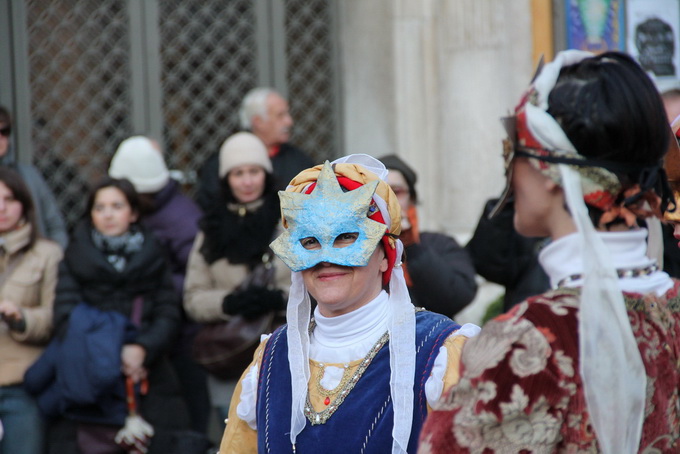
(28,276)
(232,245)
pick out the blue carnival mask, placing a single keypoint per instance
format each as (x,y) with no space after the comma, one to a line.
(324,219)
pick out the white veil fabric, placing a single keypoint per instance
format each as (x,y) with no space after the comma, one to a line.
(613,374)
(298,314)
(401,329)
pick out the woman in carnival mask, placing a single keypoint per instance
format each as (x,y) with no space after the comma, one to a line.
(593,364)
(362,375)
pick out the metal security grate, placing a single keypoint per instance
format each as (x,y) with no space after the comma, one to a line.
(311,72)
(208,63)
(80,98)
(194,62)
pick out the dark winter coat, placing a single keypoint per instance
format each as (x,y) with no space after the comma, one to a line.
(442,274)
(503,256)
(85,275)
(288,162)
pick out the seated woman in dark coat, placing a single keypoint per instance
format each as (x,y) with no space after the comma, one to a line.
(114,264)
(439,273)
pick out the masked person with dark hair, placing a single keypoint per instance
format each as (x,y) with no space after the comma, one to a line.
(672,166)
(592,365)
(361,374)
(439,273)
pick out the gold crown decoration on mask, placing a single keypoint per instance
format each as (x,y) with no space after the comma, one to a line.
(324,215)
(359,174)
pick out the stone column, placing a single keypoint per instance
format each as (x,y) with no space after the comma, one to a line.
(366,36)
(429,80)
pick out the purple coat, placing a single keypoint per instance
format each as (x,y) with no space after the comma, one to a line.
(175,224)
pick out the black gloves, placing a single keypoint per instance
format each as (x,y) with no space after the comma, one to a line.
(253,302)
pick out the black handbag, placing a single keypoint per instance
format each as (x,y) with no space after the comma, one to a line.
(226,348)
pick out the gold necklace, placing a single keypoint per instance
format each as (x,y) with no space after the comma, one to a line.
(347,383)
(346,375)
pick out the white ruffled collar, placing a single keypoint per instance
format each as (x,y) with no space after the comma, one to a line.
(349,336)
(563,258)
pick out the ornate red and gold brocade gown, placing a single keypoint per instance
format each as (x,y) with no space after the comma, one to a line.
(521,391)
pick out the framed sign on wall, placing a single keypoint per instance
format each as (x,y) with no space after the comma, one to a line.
(653,38)
(595,25)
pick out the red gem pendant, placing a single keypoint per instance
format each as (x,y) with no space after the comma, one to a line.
(327,400)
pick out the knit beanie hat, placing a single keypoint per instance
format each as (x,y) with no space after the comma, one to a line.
(243,148)
(393,162)
(139,160)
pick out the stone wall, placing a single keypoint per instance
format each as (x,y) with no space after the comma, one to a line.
(429,80)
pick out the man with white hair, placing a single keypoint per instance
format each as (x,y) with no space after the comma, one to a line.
(265,113)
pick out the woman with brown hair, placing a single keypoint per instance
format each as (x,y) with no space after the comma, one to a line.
(232,248)
(115,269)
(28,276)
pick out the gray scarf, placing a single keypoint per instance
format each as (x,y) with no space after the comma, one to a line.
(118,249)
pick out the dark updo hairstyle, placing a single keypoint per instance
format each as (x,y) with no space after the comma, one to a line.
(611,111)
(22,194)
(122,184)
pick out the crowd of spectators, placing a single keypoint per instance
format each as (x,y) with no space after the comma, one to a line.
(98,325)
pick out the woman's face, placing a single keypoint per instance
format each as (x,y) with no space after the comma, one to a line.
(399,185)
(533,201)
(676,230)
(246,182)
(11,210)
(339,289)
(111,213)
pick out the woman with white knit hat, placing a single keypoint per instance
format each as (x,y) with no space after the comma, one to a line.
(593,365)
(171,215)
(232,247)
(361,375)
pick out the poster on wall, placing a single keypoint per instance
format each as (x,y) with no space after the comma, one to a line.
(653,38)
(595,25)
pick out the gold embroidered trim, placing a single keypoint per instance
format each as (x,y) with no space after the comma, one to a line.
(346,374)
(343,390)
